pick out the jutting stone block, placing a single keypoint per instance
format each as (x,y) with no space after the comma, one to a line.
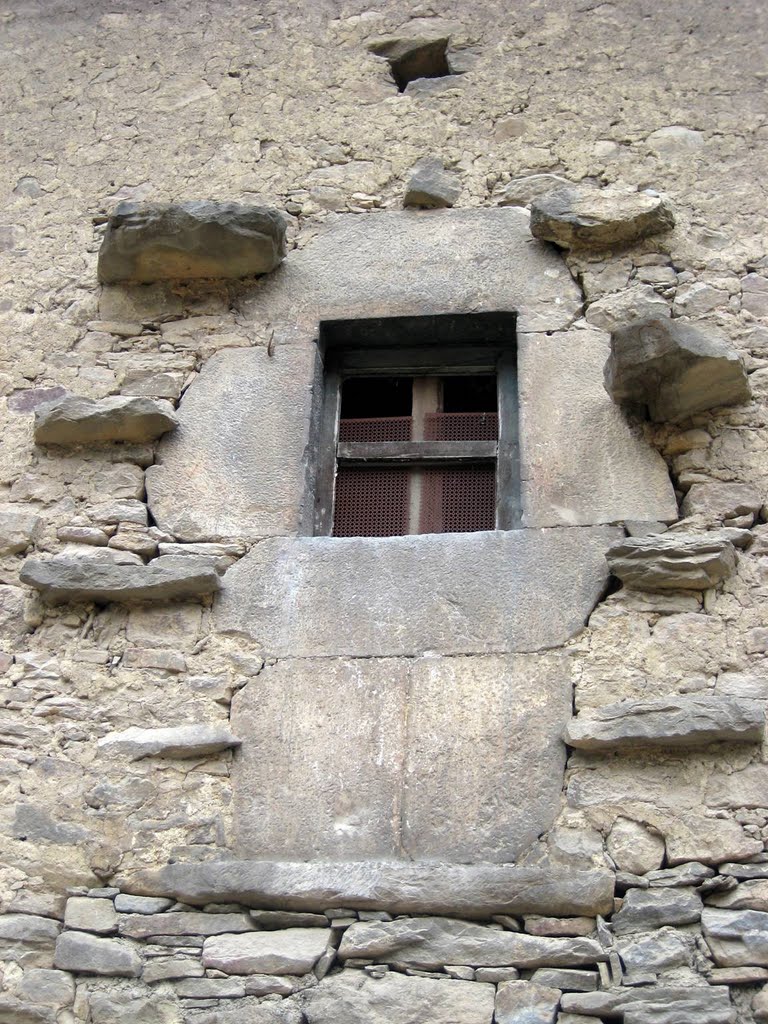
(589,218)
(76,420)
(672,561)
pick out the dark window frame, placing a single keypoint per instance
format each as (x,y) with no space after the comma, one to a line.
(436,345)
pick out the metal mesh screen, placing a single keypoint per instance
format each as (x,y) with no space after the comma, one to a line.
(461,426)
(383,428)
(371,502)
(458,500)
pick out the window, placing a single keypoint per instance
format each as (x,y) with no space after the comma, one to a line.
(419,426)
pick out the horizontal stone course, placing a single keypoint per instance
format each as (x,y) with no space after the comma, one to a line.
(141,926)
(182,741)
(289,951)
(83,953)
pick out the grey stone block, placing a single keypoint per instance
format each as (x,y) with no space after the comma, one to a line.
(522,191)
(617,1002)
(82,953)
(396,790)
(737,938)
(91,915)
(444,593)
(353,997)
(289,951)
(673,561)
(183,741)
(566,980)
(646,909)
(589,218)
(428,943)
(749,895)
(76,420)
(674,721)
(125,904)
(18,529)
(581,461)
(672,370)
(65,579)
(431,186)
(659,950)
(28,940)
(722,500)
(210,988)
(147,242)
(400,887)
(142,926)
(634,847)
(15,1011)
(526,1002)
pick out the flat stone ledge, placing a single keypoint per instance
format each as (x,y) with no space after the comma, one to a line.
(147,242)
(77,420)
(184,741)
(63,579)
(590,218)
(672,561)
(472,891)
(676,721)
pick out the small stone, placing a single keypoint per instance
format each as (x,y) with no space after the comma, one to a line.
(28,940)
(675,142)
(737,975)
(268,984)
(555,926)
(82,953)
(114,512)
(460,973)
(672,561)
(722,500)
(754,294)
(699,1002)
(168,970)
(126,904)
(210,988)
(566,981)
(524,1002)
(635,847)
(749,895)
(144,926)
(496,974)
(273,920)
(18,529)
(760,1004)
(637,302)
(757,870)
(698,299)
(658,950)
(691,873)
(588,218)
(91,915)
(83,535)
(431,186)
(148,242)
(737,938)
(291,951)
(522,191)
(76,420)
(142,657)
(672,370)
(643,909)
(47,987)
(183,741)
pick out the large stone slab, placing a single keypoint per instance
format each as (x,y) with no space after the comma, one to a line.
(413,263)
(673,561)
(143,926)
(65,578)
(700,1002)
(670,370)
(388,758)
(464,593)
(182,741)
(401,887)
(580,461)
(76,420)
(90,954)
(354,998)
(590,218)
(236,467)
(737,938)
(146,242)
(674,721)
(428,943)
(290,951)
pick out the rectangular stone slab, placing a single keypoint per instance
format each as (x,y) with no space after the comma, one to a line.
(459,593)
(400,887)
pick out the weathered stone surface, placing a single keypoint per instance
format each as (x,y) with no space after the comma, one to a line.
(77,420)
(413,58)
(692,837)
(91,915)
(181,741)
(18,529)
(126,904)
(270,920)
(566,980)
(148,242)
(395,265)
(210,988)
(522,191)
(749,895)
(132,1004)
(90,954)
(722,500)
(526,1002)
(158,969)
(27,939)
(737,938)
(635,847)
(397,790)
(746,788)
(700,1003)
(588,218)
(430,185)
(692,873)
(292,951)
(14,1011)
(676,721)
(759,870)
(141,926)
(581,462)
(249,477)
(760,1004)
(51,988)
(682,1012)
(63,578)
(429,943)
(737,975)
(557,926)
(445,593)
(354,998)
(399,887)
(672,561)
(644,909)
(671,370)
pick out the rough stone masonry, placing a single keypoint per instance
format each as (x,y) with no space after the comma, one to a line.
(254,776)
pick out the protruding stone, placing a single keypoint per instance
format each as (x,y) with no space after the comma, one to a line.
(670,370)
(522,191)
(27,939)
(737,938)
(77,420)
(413,58)
(654,951)
(430,185)
(589,218)
(674,721)
(291,951)
(722,500)
(672,561)
(88,954)
(126,904)
(566,980)
(147,242)
(645,909)
(525,1002)
(614,1003)
(635,847)
(18,529)
(91,915)
(183,741)
(749,895)
(66,579)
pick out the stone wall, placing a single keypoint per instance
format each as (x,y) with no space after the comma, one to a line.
(132,626)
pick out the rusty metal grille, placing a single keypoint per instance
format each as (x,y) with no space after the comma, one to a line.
(383,428)
(461,426)
(371,502)
(458,500)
